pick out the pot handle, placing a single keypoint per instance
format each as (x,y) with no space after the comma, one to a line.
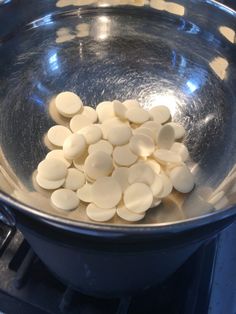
(6,215)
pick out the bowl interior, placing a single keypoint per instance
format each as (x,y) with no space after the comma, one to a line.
(159,55)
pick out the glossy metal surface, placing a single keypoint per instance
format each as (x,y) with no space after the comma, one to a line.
(181,54)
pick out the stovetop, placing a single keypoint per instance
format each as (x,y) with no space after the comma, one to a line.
(206,283)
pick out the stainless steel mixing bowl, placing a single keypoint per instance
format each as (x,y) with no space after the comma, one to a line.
(181,54)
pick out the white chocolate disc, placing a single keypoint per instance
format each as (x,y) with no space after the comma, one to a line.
(85,193)
(131,104)
(154,165)
(96,213)
(47,184)
(89,180)
(166,156)
(152,125)
(167,186)
(182,179)
(121,174)
(91,133)
(111,123)
(106,192)
(160,114)
(157,186)
(141,173)
(58,134)
(138,198)
(156,202)
(64,199)
(145,131)
(165,137)
(119,135)
(48,144)
(105,111)
(52,169)
(128,215)
(142,145)
(59,154)
(119,109)
(98,164)
(102,145)
(90,113)
(178,129)
(155,127)
(180,149)
(78,122)
(137,115)
(68,104)
(79,162)
(123,156)
(74,146)
(75,179)
(125,163)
